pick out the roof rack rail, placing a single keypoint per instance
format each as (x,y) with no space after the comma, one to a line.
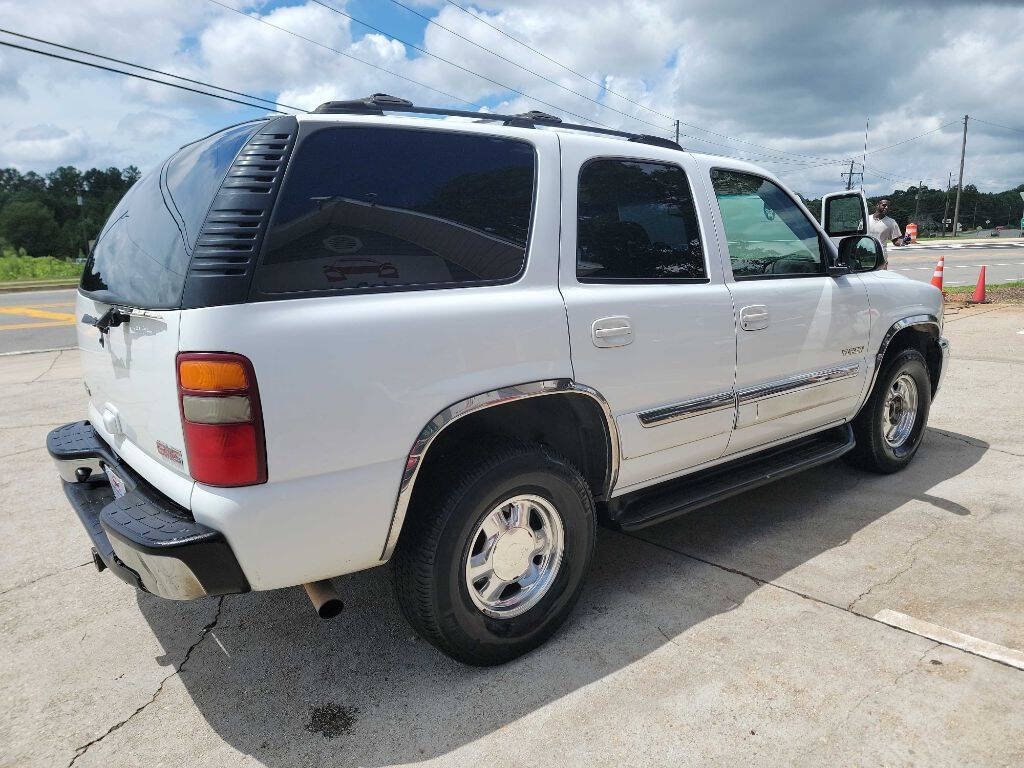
(379,103)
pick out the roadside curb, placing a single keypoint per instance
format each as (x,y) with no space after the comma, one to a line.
(17,286)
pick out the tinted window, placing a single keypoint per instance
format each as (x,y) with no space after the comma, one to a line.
(767,233)
(142,255)
(139,259)
(636,221)
(365,208)
(195,173)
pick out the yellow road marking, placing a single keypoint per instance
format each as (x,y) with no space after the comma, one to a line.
(67,317)
(46,324)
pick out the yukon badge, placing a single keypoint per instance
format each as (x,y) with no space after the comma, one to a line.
(853,350)
(169,453)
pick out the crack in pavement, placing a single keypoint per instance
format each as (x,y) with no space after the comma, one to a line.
(936,525)
(810,598)
(973,442)
(79,751)
(44,576)
(49,368)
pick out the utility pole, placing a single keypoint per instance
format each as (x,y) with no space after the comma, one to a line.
(945,210)
(960,183)
(848,175)
(974,218)
(677,131)
(917,205)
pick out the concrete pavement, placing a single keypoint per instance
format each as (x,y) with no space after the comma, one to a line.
(741,634)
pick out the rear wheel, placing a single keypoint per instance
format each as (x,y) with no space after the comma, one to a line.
(491,566)
(890,427)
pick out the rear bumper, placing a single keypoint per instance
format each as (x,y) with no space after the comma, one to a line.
(144,538)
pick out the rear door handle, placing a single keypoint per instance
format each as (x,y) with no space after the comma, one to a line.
(754,317)
(612,331)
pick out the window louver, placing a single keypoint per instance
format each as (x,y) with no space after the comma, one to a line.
(230,239)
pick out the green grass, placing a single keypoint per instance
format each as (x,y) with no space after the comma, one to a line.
(989,287)
(17,267)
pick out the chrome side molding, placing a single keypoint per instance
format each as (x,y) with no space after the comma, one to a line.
(479,402)
(799,381)
(687,409)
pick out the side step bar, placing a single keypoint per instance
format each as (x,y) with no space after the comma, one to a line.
(677,497)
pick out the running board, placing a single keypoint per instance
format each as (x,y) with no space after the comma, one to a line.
(685,494)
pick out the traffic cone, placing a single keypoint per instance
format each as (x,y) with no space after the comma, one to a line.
(937,275)
(979,292)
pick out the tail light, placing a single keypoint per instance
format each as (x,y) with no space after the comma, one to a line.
(221,419)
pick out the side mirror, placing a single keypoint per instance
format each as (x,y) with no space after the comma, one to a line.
(844,213)
(861,253)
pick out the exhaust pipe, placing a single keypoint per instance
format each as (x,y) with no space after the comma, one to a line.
(324,597)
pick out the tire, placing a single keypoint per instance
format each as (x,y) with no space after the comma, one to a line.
(449,524)
(888,445)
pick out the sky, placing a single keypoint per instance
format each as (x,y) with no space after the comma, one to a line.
(788,85)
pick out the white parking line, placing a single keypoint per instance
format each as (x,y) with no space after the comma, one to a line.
(950,637)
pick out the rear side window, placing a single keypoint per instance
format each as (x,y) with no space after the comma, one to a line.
(142,255)
(636,223)
(387,208)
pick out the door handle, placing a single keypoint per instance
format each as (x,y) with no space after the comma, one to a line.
(754,317)
(612,331)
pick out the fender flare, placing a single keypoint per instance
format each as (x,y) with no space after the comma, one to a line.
(490,399)
(911,321)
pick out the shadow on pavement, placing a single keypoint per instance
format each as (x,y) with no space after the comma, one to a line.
(277,683)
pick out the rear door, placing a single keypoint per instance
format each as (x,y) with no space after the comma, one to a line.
(650,319)
(139,266)
(802,334)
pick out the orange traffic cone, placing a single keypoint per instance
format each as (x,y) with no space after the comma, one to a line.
(979,292)
(937,275)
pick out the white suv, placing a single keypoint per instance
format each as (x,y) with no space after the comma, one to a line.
(316,344)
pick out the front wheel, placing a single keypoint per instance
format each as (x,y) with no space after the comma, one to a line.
(890,426)
(491,566)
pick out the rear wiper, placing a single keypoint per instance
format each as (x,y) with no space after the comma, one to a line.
(112,318)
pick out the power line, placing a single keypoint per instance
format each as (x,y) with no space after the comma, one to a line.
(626,98)
(525,69)
(997,125)
(146,69)
(142,77)
(451,96)
(451,63)
(913,138)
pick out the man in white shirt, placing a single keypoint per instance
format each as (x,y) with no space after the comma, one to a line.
(884,228)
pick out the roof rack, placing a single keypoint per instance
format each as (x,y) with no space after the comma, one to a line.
(379,103)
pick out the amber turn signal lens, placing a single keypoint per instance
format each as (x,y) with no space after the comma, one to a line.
(211,375)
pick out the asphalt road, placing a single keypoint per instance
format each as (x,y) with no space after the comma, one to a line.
(37,320)
(779,627)
(43,319)
(1004,261)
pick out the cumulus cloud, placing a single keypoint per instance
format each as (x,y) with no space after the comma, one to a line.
(800,78)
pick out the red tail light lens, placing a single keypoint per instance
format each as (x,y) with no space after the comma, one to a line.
(221,419)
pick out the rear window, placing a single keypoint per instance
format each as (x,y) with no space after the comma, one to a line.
(390,208)
(141,257)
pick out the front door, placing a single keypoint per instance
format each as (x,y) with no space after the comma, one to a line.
(650,320)
(802,335)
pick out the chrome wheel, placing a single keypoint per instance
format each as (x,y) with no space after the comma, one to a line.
(899,412)
(515,555)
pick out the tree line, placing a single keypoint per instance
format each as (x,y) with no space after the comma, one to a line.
(985,210)
(57,214)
